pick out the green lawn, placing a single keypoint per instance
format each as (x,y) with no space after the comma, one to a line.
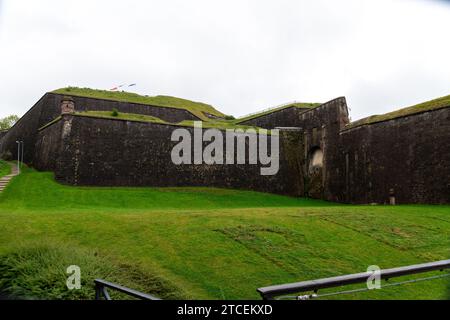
(204,243)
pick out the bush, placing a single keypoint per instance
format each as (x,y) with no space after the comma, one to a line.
(7,156)
(115,112)
(229,118)
(39,272)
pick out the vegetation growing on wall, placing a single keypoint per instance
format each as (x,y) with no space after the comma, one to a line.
(196,108)
(115,112)
(217,124)
(292,143)
(435,104)
(300,105)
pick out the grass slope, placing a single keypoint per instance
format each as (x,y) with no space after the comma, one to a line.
(197,108)
(216,124)
(203,242)
(435,104)
(5,168)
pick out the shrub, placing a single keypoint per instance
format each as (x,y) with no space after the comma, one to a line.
(115,112)
(7,156)
(39,272)
(229,118)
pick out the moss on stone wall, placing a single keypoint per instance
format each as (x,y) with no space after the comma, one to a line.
(211,124)
(435,104)
(292,143)
(299,105)
(197,108)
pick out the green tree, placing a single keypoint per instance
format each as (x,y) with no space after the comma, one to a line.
(7,122)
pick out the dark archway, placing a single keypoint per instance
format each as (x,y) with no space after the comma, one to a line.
(315,173)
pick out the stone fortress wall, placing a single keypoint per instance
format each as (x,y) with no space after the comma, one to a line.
(405,159)
(3,133)
(93,151)
(322,156)
(48,108)
(408,157)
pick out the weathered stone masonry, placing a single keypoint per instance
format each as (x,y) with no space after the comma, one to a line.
(49,107)
(409,156)
(95,151)
(406,157)
(287,117)
(322,157)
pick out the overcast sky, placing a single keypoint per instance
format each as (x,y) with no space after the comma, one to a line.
(240,56)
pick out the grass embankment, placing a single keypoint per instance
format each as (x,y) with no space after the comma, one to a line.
(5,168)
(197,108)
(434,104)
(203,242)
(215,124)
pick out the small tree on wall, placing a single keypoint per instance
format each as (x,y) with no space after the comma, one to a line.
(7,122)
(115,112)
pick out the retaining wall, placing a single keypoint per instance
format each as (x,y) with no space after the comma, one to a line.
(109,152)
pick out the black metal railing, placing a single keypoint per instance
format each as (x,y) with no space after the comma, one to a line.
(101,291)
(270,293)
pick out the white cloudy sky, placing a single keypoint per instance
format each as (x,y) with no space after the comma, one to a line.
(239,55)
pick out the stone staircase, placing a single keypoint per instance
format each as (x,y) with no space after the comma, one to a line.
(6,179)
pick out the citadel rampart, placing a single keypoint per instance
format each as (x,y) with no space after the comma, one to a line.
(49,107)
(322,155)
(94,151)
(287,117)
(408,157)
(168,114)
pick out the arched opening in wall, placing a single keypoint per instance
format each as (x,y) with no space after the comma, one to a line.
(315,173)
(315,160)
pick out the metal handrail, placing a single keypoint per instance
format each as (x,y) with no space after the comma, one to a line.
(101,291)
(269,293)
